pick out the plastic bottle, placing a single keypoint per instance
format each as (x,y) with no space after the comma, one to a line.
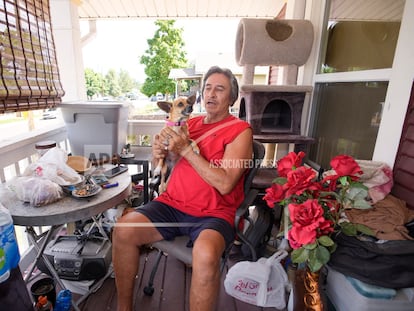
(43,304)
(63,300)
(9,251)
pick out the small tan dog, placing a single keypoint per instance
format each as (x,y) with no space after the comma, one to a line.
(179,112)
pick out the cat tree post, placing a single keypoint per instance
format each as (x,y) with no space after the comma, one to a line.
(274,111)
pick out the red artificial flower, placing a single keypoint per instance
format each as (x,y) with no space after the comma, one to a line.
(300,180)
(332,205)
(273,195)
(315,206)
(306,218)
(289,162)
(325,228)
(345,165)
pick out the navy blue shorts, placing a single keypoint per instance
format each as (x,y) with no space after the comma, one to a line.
(171,222)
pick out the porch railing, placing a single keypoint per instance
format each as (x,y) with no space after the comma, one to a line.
(17,153)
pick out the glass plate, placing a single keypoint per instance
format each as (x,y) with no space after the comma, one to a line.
(86,193)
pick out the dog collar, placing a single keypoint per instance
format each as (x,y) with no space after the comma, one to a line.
(178,123)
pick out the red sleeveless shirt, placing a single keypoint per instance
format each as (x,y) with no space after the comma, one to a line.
(187,191)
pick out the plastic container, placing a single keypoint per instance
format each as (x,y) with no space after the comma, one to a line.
(96,130)
(44,286)
(9,251)
(63,300)
(43,304)
(345,297)
(44,146)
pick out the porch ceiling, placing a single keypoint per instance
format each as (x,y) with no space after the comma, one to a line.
(340,10)
(101,9)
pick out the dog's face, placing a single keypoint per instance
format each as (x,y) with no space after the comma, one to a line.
(180,108)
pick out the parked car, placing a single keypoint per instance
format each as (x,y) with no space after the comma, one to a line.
(50,113)
(157,97)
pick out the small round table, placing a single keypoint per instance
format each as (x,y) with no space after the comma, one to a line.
(67,210)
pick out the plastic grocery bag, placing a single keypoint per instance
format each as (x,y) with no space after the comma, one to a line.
(52,166)
(37,191)
(262,283)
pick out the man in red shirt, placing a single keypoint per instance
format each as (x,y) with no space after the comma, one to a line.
(204,189)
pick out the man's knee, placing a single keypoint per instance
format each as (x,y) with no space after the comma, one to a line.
(207,254)
(125,230)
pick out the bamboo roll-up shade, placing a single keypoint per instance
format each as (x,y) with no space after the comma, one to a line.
(29,75)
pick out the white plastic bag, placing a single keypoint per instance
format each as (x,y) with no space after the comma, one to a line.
(37,191)
(52,166)
(262,283)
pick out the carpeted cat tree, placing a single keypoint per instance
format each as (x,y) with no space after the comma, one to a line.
(274,111)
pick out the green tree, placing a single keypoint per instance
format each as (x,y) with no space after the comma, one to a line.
(126,83)
(165,52)
(94,83)
(112,84)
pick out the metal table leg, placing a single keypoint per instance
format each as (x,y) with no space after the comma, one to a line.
(40,249)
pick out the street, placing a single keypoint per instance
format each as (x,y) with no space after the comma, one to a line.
(12,129)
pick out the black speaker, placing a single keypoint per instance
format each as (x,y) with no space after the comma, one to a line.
(76,260)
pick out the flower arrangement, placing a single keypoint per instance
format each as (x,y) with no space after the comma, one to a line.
(314,207)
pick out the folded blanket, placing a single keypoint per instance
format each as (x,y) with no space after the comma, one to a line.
(377,176)
(387,218)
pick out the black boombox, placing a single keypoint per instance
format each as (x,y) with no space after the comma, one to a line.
(75,259)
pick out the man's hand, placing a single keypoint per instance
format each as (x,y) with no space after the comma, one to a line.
(178,143)
(158,148)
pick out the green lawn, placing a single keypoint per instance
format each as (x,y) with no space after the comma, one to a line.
(11,120)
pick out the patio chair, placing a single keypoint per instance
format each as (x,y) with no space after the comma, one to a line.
(180,248)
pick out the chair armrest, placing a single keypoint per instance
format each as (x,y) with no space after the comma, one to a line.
(244,206)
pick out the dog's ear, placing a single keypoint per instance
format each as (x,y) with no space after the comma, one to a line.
(191,99)
(166,106)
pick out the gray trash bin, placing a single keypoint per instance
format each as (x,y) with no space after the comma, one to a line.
(96,130)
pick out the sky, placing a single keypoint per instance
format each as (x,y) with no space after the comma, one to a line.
(120,43)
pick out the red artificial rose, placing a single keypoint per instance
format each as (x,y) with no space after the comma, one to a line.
(289,162)
(273,195)
(345,166)
(306,218)
(325,228)
(332,205)
(300,180)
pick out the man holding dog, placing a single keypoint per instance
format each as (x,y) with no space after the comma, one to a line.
(197,192)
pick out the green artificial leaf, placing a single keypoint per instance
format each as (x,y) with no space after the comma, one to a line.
(300,255)
(317,258)
(314,264)
(280,180)
(332,248)
(323,254)
(330,195)
(326,241)
(348,228)
(358,184)
(324,194)
(364,229)
(343,180)
(357,193)
(361,204)
(310,246)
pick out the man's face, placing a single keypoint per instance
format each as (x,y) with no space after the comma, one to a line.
(216,93)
